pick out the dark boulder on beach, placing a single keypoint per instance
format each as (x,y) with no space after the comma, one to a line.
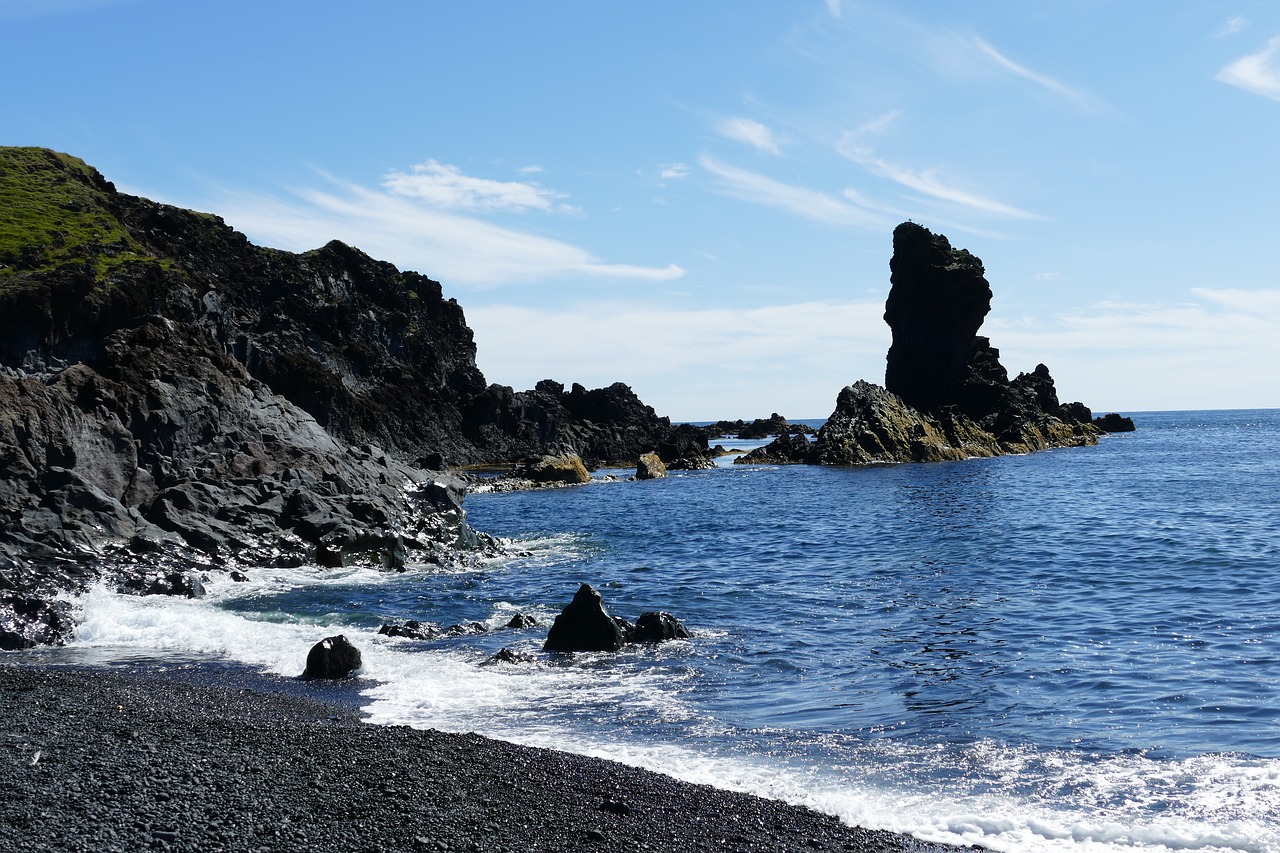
(584,626)
(946,395)
(331,658)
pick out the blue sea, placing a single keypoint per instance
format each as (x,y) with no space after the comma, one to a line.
(1075,650)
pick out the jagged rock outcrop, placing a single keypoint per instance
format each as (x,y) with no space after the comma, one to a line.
(946,394)
(584,626)
(650,467)
(171,394)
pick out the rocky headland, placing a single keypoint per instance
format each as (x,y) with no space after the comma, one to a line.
(946,395)
(175,399)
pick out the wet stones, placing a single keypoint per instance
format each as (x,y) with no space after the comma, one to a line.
(586,626)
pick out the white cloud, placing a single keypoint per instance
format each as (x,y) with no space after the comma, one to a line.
(1257,72)
(1079,97)
(753,133)
(530,170)
(929,181)
(834,7)
(673,171)
(1215,350)
(693,364)
(459,250)
(801,201)
(446,187)
(1232,26)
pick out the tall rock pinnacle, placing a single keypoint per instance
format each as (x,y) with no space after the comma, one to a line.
(938,299)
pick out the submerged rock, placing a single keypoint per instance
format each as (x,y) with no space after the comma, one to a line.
(658,627)
(412,629)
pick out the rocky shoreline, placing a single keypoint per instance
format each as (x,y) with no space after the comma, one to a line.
(97,760)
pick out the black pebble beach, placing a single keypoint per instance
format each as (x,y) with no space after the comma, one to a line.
(104,760)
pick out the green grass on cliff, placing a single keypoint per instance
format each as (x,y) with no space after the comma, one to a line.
(54,212)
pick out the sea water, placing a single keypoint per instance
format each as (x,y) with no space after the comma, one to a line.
(1075,650)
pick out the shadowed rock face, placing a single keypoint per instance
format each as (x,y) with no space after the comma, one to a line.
(947,395)
(171,394)
(937,302)
(584,626)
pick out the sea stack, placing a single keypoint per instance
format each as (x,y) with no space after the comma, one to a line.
(946,394)
(937,302)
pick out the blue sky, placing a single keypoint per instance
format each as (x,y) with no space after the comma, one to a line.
(698,198)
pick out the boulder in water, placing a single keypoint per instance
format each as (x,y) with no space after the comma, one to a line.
(651,467)
(584,626)
(332,657)
(657,627)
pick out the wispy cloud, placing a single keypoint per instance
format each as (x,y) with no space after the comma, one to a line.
(446,187)
(458,249)
(835,8)
(1257,72)
(1213,350)
(929,182)
(1079,97)
(801,201)
(532,169)
(1232,26)
(751,132)
(673,171)
(694,363)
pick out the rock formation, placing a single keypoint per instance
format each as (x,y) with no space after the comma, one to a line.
(171,394)
(650,467)
(584,626)
(946,394)
(332,657)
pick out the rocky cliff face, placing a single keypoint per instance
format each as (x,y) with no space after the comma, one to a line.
(946,394)
(168,389)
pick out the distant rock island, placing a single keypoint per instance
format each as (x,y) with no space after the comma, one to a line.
(946,396)
(174,398)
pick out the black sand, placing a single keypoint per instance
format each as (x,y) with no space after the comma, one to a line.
(101,760)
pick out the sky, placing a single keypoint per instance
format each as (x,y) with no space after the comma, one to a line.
(698,199)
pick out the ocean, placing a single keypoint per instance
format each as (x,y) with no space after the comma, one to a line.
(1075,650)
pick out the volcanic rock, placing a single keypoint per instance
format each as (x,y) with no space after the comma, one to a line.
(650,467)
(658,627)
(946,394)
(584,626)
(332,657)
(566,468)
(1113,422)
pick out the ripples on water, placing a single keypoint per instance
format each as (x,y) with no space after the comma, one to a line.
(1076,649)
(1118,597)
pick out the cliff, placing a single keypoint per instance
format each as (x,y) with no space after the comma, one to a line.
(173,396)
(946,394)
